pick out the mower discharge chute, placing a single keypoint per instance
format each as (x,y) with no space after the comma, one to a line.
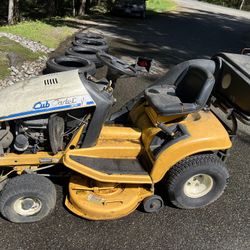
(167,135)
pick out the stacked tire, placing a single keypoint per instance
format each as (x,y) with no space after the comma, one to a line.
(66,63)
(81,56)
(85,53)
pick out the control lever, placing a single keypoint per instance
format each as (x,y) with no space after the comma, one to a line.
(109,87)
(166,129)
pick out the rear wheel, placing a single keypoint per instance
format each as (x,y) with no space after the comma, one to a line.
(27,198)
(196,181)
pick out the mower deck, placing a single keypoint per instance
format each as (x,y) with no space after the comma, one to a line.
(101,201)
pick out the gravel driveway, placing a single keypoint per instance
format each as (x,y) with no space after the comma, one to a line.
(195,30)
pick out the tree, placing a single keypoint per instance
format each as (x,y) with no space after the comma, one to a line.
(242,3)
(74,8)
(11,12)
(81,9)
(17,11)
(51,7)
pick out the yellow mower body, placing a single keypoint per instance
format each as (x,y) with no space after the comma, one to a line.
(97,195)
(122,143)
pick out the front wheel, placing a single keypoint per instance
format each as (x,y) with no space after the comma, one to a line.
(196,181)
(27,198)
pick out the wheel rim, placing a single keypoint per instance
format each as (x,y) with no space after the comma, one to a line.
(198,185)
(27,206)
(155,205)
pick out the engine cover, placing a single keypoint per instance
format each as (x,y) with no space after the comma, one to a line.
(44,94)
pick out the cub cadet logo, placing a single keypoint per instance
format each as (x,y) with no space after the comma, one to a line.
(56,103)
(67,101)
(41,105)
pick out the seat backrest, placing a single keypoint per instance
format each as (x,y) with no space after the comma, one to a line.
(195,85)
(174,73)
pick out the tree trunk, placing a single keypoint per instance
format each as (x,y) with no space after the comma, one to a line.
(82,6)
(16,11)
(87,6)
(51,7)
(74,8)
(110,4)
(11,12)
(242,4)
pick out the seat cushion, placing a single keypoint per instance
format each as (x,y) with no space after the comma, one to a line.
(164,100)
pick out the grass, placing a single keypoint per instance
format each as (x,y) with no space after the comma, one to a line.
(21,53)
(48,32)
(160,5)
(39,31)
(7,45)
(4,66)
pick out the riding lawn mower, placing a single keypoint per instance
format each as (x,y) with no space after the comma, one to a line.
(169,137)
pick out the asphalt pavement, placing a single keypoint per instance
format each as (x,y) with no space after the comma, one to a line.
(193,31)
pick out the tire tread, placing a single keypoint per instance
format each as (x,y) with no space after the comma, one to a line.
(24,183)
(184,165)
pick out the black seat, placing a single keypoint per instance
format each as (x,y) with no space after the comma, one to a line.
(188,94)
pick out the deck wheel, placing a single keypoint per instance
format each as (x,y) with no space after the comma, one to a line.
(153,204)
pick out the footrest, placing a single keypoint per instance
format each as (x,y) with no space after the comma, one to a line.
(112,166)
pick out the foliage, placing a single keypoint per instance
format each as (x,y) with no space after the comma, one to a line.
(230,3)
(160,5)
(40,31)
(40,9)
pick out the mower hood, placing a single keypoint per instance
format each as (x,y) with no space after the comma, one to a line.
(44,94)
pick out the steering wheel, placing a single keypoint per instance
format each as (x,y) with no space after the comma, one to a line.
(119,66)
